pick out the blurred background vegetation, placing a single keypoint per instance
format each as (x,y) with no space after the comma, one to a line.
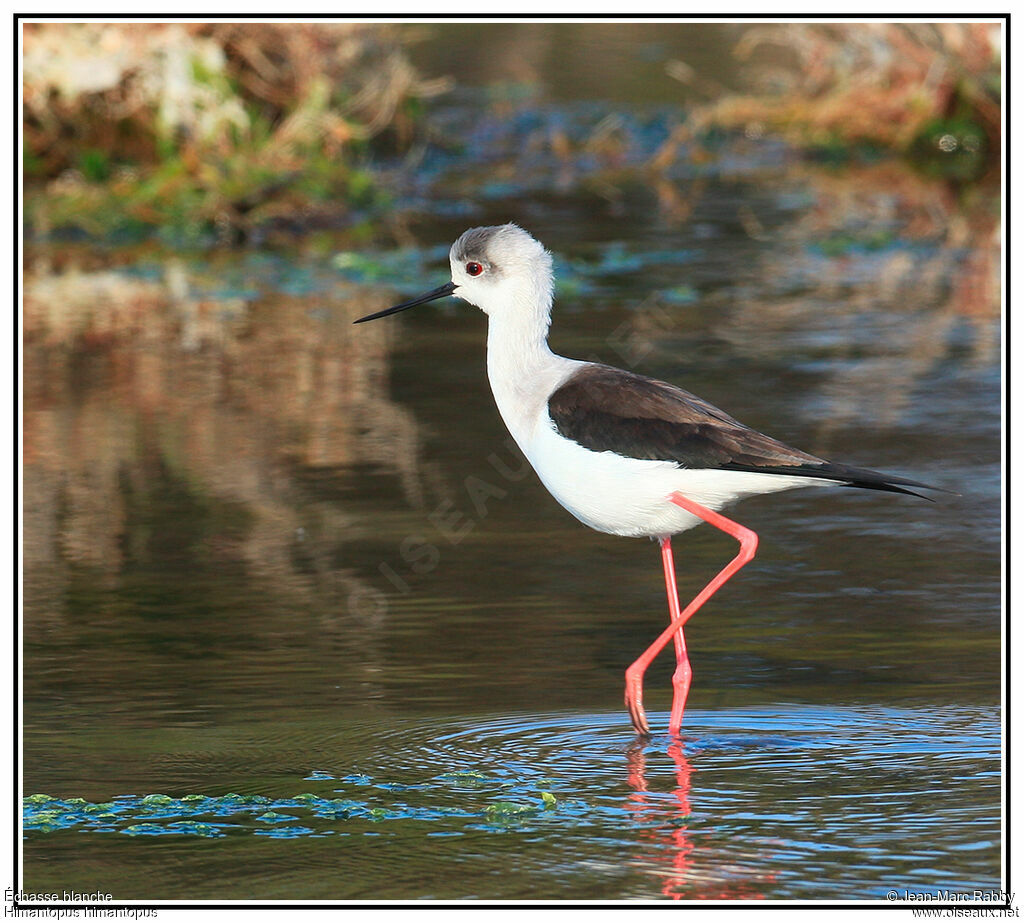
(208,126)
(221,131)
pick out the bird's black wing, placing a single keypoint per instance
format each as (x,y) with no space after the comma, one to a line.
(605,409)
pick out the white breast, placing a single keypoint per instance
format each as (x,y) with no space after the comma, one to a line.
(628,496)
(608,492)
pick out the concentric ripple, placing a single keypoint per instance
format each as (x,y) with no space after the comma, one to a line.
(789,802)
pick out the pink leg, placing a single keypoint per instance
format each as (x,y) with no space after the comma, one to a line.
(635,674)
(681,677)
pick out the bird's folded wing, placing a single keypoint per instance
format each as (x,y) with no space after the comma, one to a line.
(605,409)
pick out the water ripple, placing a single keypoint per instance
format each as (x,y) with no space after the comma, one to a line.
(792,801)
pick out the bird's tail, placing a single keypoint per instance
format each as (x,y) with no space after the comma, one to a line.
(847,476)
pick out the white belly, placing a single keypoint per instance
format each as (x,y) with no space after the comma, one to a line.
(628,496)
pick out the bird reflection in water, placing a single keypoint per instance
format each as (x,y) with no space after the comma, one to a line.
(669,827)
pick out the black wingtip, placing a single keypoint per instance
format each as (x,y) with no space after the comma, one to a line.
(873,480)
(849,476)
(894,489)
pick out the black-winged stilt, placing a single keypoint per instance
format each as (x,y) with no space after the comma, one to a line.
(624,454)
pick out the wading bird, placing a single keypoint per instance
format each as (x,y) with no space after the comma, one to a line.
(625,454)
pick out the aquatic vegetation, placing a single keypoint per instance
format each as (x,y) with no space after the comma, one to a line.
(208,129)
(389,267)
(305,814)
(229,132)
(483,149)
(931,91)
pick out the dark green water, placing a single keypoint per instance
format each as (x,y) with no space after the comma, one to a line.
(288,573)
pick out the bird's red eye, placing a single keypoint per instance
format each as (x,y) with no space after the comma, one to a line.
(473,269)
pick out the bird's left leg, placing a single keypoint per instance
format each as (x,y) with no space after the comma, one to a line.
(681,676)
(635,674)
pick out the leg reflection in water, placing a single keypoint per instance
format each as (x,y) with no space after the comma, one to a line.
(672,831)
(668,825)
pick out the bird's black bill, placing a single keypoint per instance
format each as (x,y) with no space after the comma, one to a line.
(438,292)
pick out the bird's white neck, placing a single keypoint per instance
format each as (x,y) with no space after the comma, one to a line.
(521,367)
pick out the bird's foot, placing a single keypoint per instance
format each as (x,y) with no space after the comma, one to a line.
(635,703)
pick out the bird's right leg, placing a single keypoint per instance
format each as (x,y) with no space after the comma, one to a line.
(635,674)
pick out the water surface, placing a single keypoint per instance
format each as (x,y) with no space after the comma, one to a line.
(862,800)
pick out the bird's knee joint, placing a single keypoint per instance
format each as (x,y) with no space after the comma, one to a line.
(682,674)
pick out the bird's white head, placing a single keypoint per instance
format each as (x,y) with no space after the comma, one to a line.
(501,270)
